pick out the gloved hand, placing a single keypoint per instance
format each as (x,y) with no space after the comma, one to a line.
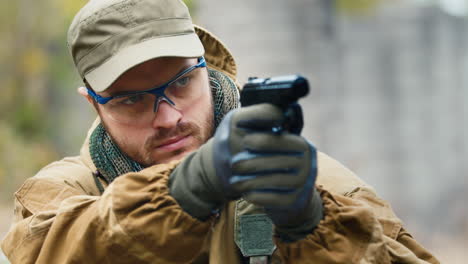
(247,158)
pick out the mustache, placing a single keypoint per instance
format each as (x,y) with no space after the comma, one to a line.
(163,134)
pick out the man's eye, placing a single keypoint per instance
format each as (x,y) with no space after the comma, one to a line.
(182,82)
(131,100)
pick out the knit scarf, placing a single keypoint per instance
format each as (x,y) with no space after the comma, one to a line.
(111,162)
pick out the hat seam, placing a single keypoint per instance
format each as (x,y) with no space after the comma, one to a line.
(112,8)
(110,57)
(116,35)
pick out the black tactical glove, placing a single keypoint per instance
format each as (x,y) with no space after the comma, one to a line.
(247,158)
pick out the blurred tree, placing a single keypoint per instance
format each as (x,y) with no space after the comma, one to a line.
(357,7)
(190,4)
(36,65)
(35,77)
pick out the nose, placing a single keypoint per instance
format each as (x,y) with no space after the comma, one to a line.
(166,116)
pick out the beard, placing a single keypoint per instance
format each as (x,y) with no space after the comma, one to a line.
(143,154)
(199,134)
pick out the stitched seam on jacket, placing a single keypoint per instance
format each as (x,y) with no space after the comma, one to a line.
(396,230)
(28,237)
(22,193)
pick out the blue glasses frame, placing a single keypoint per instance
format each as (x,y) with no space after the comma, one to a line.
(157,91)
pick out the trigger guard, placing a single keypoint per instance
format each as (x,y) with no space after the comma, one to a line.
(294,121)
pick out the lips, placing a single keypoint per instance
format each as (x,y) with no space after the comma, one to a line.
(173,143)
(170,141)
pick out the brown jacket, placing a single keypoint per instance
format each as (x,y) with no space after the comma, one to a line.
(61,217)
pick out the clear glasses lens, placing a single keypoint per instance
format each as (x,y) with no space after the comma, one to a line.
(139,108)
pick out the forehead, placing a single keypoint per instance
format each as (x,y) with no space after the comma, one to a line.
(150,73)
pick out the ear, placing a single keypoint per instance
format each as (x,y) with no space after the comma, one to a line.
(84,92)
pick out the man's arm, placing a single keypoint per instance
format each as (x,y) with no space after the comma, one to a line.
(354,231)
(134,221)
(402,246)
(354,207)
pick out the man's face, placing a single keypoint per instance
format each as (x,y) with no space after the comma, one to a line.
(172,131)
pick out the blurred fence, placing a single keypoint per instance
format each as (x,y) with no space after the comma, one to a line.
(389,90)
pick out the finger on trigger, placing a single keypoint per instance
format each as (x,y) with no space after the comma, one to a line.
(259,117)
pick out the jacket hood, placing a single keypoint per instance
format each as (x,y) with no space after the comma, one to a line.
(217,54)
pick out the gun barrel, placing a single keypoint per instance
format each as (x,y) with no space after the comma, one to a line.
(281,91)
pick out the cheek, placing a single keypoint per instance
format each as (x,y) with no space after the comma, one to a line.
(200,111)
(126,137)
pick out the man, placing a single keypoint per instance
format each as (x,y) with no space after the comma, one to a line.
(169,174)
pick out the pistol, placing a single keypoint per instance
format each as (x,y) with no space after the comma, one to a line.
(282,91)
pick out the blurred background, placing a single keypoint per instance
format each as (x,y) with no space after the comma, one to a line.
(389,83)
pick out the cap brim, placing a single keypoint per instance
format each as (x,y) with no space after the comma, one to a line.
(102,77)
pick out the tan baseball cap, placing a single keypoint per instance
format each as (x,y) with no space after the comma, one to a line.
(108,37)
